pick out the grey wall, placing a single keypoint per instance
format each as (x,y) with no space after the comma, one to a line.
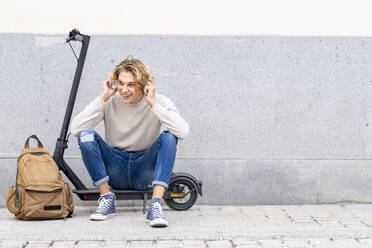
(274,120)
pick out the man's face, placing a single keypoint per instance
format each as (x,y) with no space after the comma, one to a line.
(127,88)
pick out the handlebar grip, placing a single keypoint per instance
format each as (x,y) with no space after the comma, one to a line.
(74,35)
(79,37)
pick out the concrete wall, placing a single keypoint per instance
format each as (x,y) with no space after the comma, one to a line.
(274,120)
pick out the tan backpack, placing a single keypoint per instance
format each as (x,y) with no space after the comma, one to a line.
(40,192)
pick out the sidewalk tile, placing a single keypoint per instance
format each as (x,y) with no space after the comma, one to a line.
(40,244)
(140,244)
(219,244)
(13,243)
(114,244)
(63,244)
(194,244)
(89,244)
(169,244)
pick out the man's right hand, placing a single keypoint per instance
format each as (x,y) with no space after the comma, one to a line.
(107,90)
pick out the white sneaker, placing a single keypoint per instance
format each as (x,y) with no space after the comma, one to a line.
(159,222)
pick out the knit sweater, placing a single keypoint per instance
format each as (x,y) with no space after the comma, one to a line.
(131,127)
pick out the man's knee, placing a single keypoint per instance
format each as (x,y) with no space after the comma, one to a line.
(86,135)
(169,138)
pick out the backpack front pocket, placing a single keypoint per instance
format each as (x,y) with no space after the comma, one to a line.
(43,201)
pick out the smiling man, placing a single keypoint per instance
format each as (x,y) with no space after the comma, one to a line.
(141,135)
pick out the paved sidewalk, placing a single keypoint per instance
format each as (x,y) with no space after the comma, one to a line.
(348,225)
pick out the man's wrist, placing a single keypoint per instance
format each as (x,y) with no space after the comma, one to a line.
(104,97)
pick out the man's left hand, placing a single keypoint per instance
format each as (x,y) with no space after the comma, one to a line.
(149,92)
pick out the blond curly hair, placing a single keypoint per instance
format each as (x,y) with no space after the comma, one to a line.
(140,71)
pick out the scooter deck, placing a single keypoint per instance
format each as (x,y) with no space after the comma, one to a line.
(93,194)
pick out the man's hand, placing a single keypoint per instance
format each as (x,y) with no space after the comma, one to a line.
(107,90)
(149,92)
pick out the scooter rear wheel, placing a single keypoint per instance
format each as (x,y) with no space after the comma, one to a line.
(185,186)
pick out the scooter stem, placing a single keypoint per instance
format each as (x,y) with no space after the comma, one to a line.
(61,144)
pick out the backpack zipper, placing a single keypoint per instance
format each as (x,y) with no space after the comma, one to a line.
(17,196)
(35,153)
(68,194)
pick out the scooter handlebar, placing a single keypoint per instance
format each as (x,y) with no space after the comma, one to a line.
(75,35)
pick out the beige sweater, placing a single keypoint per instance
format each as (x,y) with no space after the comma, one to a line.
(131,127)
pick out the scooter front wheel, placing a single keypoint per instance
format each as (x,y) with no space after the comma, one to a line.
(183,193)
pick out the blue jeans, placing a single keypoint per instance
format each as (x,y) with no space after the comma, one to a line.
(128,170)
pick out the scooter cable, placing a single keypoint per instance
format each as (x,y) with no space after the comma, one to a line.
(77,59)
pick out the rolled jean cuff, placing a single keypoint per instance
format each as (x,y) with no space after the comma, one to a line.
(102,180)
(159,183)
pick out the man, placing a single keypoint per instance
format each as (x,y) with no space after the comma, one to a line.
(141,134)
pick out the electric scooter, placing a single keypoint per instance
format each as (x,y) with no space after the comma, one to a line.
(183,188)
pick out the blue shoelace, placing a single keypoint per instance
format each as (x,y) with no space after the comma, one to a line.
(104,205)
(156,211)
